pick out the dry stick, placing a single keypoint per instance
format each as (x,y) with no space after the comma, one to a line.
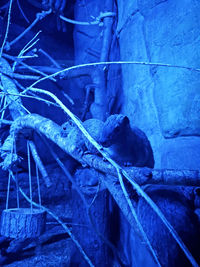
(27,47)
(20,86)
(24,108)
(31,43)
(2,99)
(7,145)
(29,177)
(38,185)
(36,70)
(40,164)
(71,101)
(107,63)
(112,63)
(9,176)
(19,76)
(17,182)
(53,61)
(43,69)
(59,221)
(32,95)
(27,96)
(39,16)
(7,28)
(50,58)
(46,69)
(15,106)
(134,184)
(3,109)
(6,121)
(22,12)
(27,56)
(84,23)
(25,77)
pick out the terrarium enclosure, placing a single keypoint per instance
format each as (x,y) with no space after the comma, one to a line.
(100,133)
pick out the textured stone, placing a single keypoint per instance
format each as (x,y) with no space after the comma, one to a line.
(87,39)
(172,31)
(181,153)
(137,82)
(164,102)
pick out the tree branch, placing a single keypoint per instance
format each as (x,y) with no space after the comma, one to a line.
(142,176)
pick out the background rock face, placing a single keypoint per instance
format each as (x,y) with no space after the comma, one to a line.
(163,102)
(87,39)
(183,152)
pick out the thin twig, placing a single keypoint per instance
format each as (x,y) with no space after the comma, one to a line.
(22,12)
(107,63)
(27,96)
(30,43)
(95,22)
(45,69)
(7,28)
(112,63)
(5,104)
(27,111)
(36,70)
(26,48)
(50,58)
(20,76)
(40,164)
(39,16)
(6,121)
(25,57)
(83,23)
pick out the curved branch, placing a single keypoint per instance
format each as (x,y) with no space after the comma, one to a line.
(142,176)
(50,128)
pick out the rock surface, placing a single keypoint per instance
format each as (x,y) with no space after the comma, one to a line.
(164,102)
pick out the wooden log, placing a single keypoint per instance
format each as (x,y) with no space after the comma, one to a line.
(22,223)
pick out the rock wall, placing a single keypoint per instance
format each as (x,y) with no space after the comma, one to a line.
(164,102)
